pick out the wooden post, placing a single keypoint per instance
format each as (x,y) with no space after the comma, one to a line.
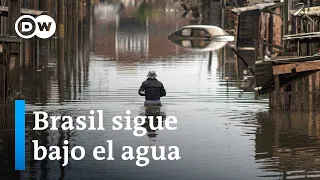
(223,9)
(14,49)
(80,40)
(285,19)
(88,29)
(91,28)
(4,22)
(69,39)
(313,90)
(277,95)
(85,27)
(317,89)
(61,32)
(206,8)
(87,7)
(69,55)
(305,94)
(237,29)
(300,94)
(80,25)
(292,105)
(49,53)
(75,45)
(43,43)
(271,99)
(33,43)
(75,37)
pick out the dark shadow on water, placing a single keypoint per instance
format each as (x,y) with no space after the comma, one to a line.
(7,160)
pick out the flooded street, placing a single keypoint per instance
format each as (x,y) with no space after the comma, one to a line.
(223,132)
(216,121)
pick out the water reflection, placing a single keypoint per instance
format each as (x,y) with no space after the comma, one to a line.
(152,114)
(137,31)
(7,160)
(201,45)
(223,132)
(288,143)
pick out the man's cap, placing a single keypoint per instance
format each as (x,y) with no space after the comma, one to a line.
(152,74)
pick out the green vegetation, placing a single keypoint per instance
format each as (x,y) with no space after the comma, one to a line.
(144,11)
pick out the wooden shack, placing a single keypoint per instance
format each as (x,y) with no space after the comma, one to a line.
(258,30)
(293,82)
(5,67)
(306,31)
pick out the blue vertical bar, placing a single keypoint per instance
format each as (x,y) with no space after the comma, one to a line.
(20,135)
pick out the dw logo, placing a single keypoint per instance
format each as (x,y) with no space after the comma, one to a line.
(43,26)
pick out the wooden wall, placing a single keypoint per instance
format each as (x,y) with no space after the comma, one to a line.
(302,95)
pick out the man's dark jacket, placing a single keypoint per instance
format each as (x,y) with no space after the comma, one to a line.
(153,89)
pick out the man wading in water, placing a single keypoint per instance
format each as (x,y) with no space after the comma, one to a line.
(152,89)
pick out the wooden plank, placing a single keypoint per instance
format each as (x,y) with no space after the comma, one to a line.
(241,58)
(264,73)
(258,7)
(4,11)
(277,100)
(296,67)
(314,11)
(246,49)
(271,45)
(14,12)
(9,39)
(302,37)
(296,59)
(301,34)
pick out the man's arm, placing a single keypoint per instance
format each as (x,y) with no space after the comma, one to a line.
(142,89)
(163,91)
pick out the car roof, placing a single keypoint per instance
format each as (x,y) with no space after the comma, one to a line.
(213,30)
(200,26)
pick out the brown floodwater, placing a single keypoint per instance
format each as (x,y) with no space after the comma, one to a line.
(223,132)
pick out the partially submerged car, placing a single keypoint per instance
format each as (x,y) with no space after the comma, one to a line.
(200,44)
(201,32)
(201,37)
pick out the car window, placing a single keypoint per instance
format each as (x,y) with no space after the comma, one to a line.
(200,33)
(186,32)
(200,43)
(186,43)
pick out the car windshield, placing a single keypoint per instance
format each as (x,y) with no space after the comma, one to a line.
(200,33)
(186,32)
